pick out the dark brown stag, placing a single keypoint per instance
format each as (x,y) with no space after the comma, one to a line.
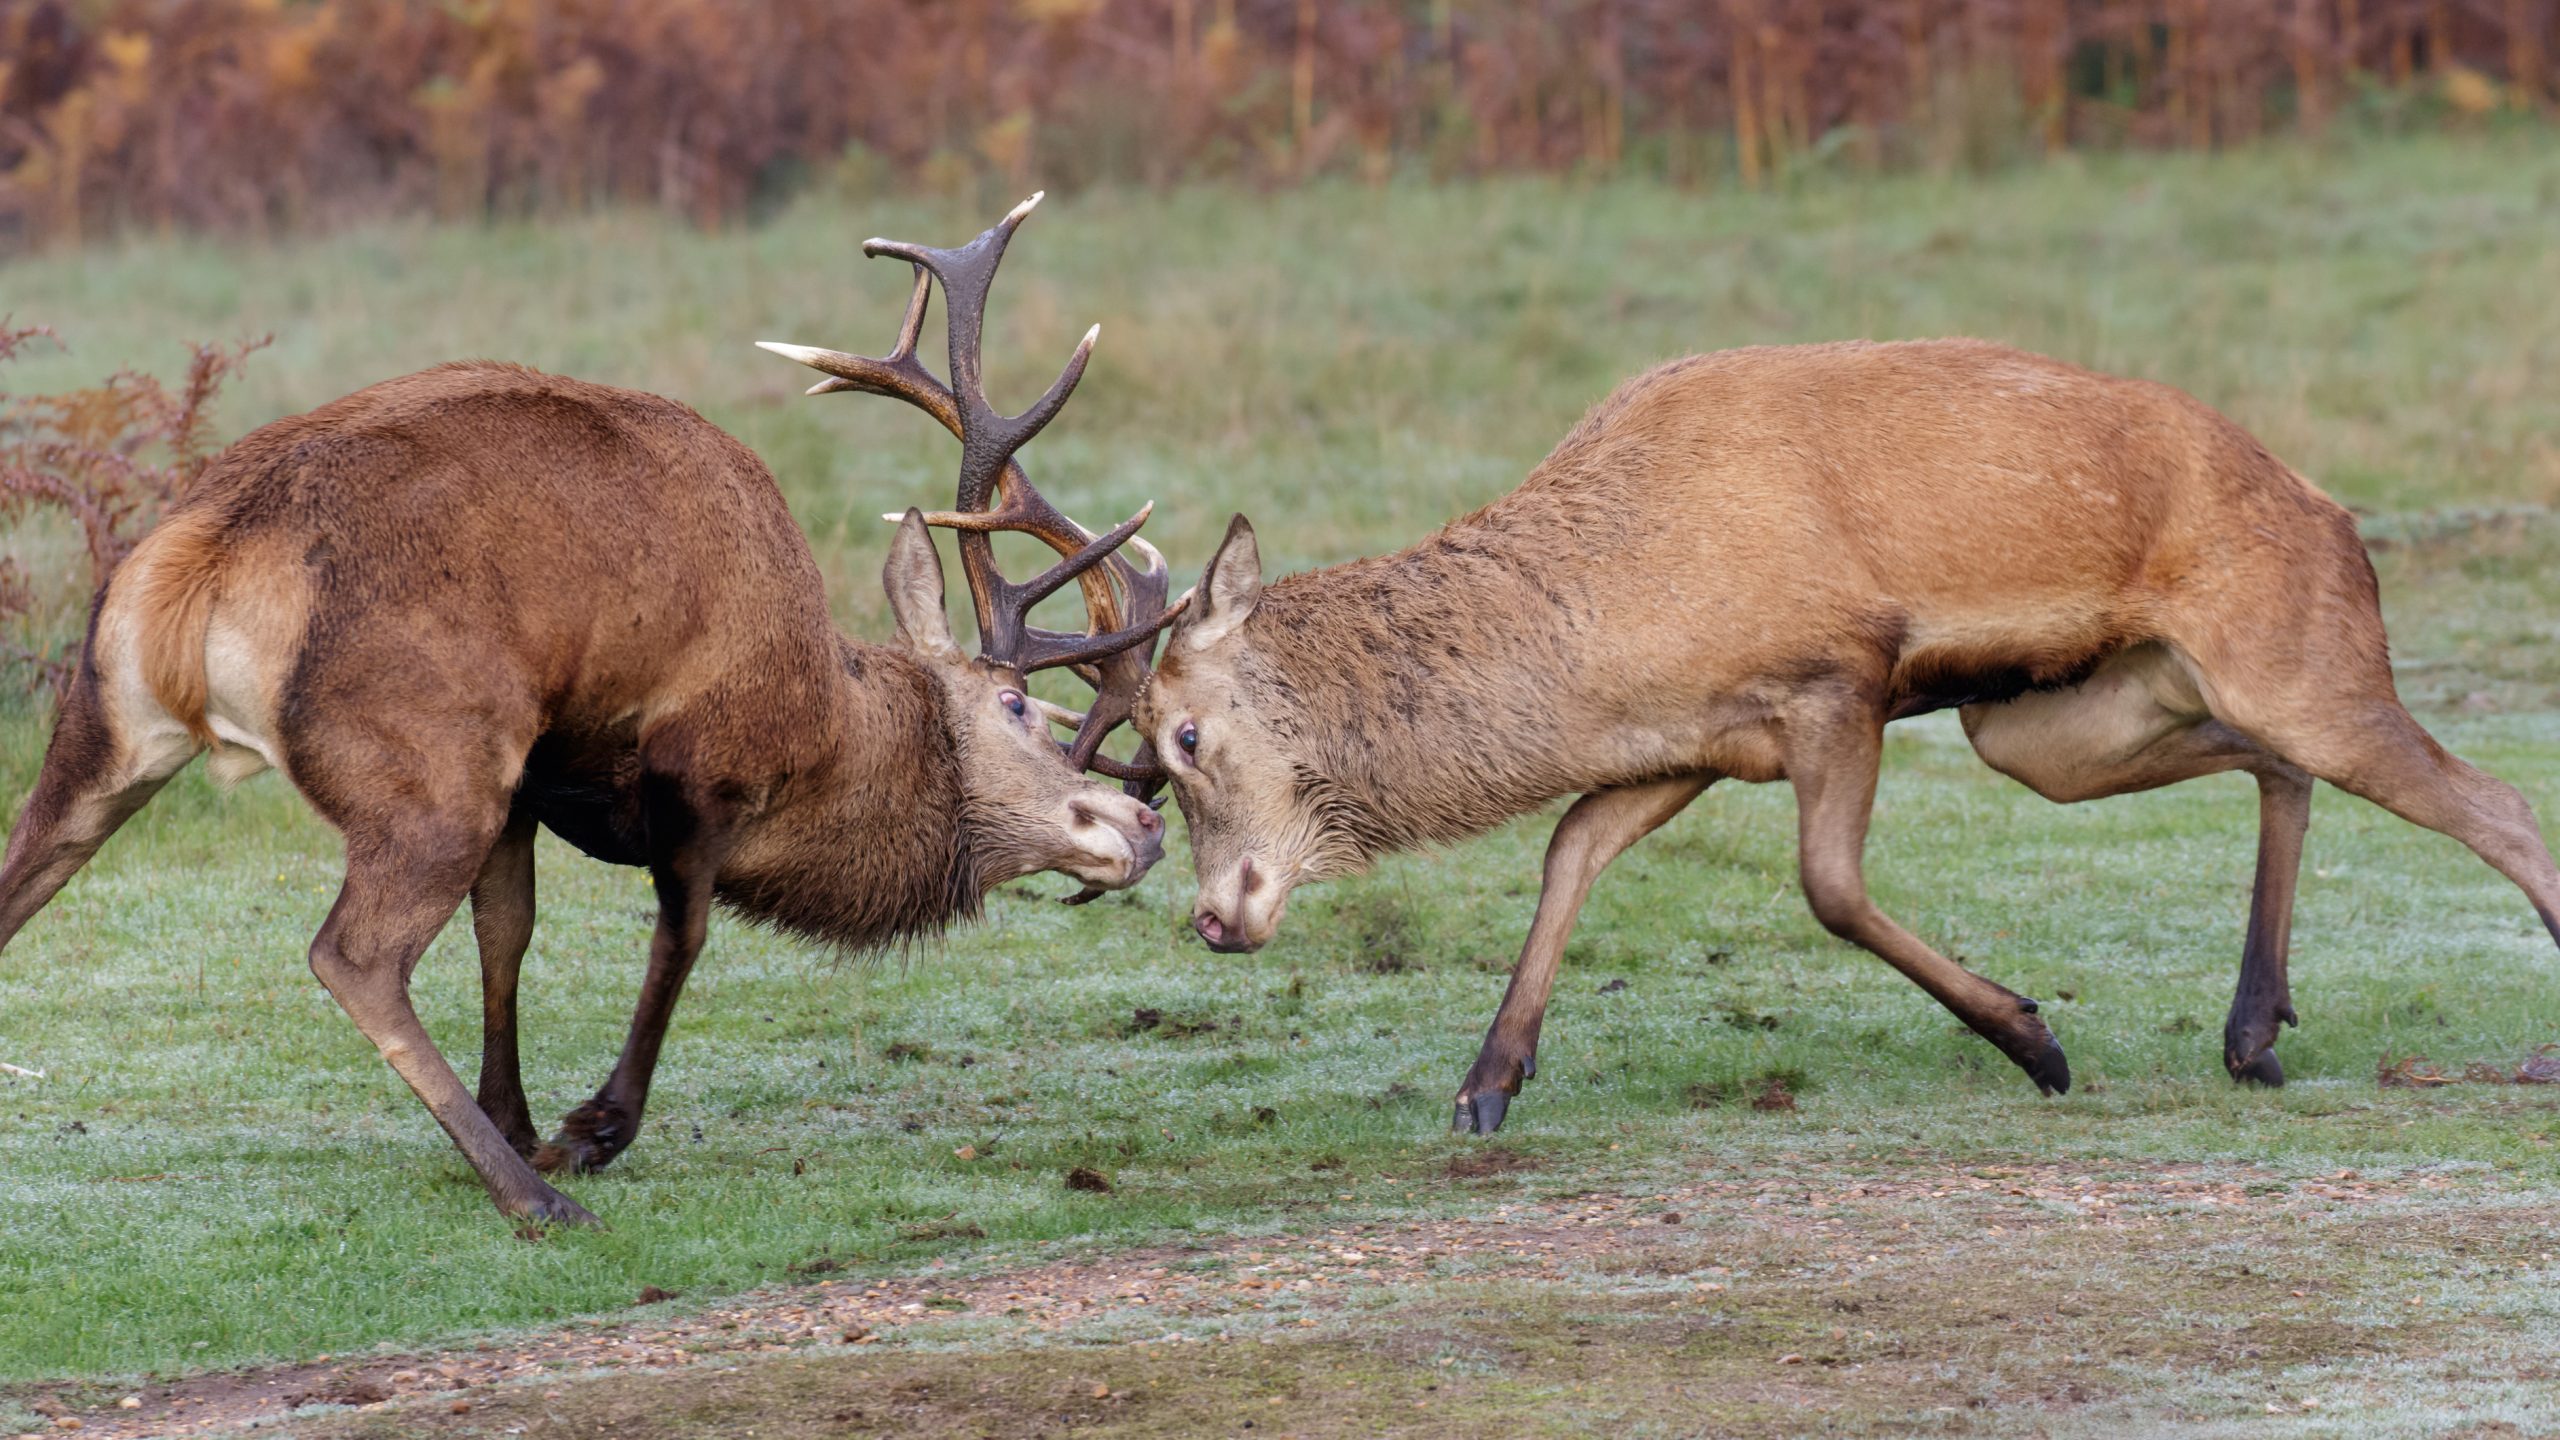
(467,602)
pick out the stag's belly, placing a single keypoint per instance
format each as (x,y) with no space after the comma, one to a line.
(1978,654)
(586,790)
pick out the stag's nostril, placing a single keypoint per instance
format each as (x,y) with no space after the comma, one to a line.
(1211,928)
(1247,881)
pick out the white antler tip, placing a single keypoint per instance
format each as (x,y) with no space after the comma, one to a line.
(1092,335)
(893,516)
(805,354)
(1025,208)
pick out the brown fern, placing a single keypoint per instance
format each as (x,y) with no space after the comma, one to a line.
(111,458)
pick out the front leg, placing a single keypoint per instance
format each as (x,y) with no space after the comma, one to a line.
(595,1132)
(1596,830)
(502,921)
(1835,742)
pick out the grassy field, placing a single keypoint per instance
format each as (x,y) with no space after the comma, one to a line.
(219,1171)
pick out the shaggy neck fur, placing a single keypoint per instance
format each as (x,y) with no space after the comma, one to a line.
(876,847)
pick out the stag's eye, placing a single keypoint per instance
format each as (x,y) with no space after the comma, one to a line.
(1012,700)
(1188,737)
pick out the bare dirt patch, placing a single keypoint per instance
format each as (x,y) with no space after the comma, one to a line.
(1916,1289)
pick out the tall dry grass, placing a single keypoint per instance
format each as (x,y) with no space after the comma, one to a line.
(262,114)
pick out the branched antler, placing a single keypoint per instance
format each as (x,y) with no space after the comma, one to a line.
(1114,654)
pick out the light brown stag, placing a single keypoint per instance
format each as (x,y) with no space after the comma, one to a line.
(1743,565)
(470,601)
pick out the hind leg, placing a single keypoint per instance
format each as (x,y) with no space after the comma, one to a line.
(2376,749)
(2265,995)
(2141,723)
(91,783)
(2309,678)
(423,809)
(406,875)
(502,922)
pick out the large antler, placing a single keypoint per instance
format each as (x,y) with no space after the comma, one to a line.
(1113,655)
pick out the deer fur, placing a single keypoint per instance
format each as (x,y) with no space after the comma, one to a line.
(478,599)
(1742,565)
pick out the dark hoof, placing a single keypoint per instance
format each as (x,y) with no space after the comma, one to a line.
(2048,1069)
(1480,1114)
(1529,1069)
(2033,1049)
(549,1207)
(2030,1046)
(590,1136)
(2261,1069)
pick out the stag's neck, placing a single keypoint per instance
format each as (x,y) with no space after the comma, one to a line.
(1434,686)
(870,846)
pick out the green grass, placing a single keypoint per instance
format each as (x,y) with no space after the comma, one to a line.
(220,1170)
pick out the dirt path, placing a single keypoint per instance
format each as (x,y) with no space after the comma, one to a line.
(1926,1291)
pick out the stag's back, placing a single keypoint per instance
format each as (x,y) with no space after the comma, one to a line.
(1956,496)
(599,553)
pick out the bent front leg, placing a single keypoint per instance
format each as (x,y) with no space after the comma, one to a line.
(1833,751)
(1596,830)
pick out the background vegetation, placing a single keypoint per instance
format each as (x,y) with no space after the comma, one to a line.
(219,1169)
(264,115)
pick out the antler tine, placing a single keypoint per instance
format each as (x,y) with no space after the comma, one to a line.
(988,437)
(1114,654)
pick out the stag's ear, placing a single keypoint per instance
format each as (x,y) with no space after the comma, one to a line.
(913,578)
(1229,589)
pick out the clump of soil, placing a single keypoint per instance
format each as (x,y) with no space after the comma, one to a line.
(1146,1020)
(653,1295)
(2417,1072)
(1089,1180)
(1491,1160)
(1774,1091)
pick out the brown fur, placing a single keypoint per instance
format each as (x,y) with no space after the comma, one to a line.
(1742,565)
(479,598)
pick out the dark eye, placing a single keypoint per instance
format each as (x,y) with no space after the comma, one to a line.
(1012,700)
(1188,737)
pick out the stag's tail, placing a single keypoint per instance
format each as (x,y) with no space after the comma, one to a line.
(175,574)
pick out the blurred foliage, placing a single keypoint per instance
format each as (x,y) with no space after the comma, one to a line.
(258,114)
(110,458)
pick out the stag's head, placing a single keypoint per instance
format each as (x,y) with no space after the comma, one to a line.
(1030,806)
(1243,768)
